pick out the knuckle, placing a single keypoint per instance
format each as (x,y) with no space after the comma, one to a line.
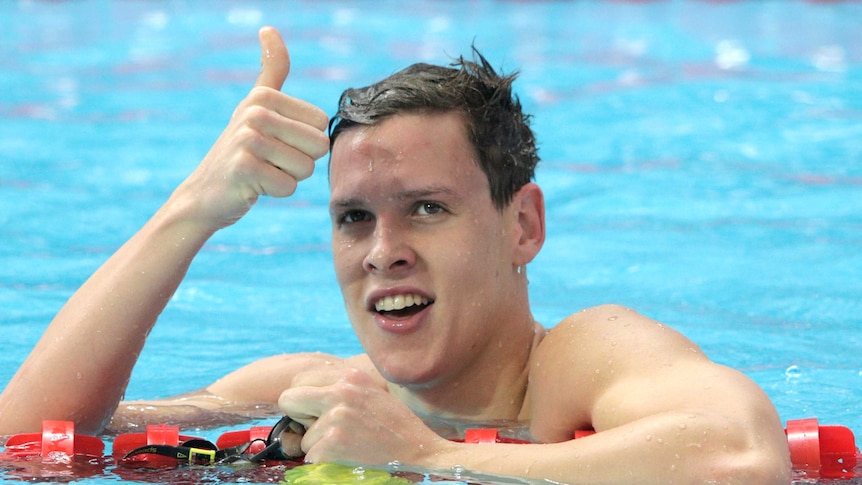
(319,119)
(250,138)
(304,169)
(340,414)
(320,146)
(352,375)
(285,399)
(257,115)
(285,190)
(259,94)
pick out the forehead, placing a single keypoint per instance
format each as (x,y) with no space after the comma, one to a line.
(405,151)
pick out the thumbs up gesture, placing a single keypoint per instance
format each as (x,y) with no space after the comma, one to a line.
(269,145)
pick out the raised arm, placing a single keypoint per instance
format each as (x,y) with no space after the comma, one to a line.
(269,145)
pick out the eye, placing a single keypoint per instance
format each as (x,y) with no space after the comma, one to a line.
(354,216)
(428,208)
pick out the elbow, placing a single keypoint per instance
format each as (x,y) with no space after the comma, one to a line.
(763,463)
(766,470)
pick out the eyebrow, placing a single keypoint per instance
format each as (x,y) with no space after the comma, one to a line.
(414,194)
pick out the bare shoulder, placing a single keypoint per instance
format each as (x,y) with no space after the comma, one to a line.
(593,332)
(610,367)
(591,355)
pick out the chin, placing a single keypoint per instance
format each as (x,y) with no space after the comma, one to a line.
(406,374)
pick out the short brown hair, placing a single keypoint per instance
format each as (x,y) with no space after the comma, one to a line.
(496,125)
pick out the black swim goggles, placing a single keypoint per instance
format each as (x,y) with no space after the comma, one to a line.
(203,452)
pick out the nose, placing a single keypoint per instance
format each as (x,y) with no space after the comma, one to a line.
(390,251)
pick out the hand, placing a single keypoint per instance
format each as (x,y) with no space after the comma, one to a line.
(269,145)
(350,418)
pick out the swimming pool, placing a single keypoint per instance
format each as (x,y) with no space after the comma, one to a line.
(702,163)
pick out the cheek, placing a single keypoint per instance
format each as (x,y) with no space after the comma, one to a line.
(472,259)
(347,259)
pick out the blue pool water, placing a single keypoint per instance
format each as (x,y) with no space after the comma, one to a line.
(702,163)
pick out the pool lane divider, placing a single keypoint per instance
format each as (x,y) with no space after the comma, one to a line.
(821,451)
(56,441)
(815,450)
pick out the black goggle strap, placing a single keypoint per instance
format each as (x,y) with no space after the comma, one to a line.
(192,451)
(274,450)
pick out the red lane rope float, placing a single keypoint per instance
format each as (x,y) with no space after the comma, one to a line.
(257,436)
(56,442)
(817,451)
(821,451)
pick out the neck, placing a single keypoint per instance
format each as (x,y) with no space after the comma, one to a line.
(491,389)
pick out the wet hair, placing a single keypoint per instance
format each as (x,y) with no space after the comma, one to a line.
(496,126)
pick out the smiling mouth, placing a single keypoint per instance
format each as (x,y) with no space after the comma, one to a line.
(401,306)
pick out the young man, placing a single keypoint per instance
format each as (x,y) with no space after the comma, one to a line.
(434,218)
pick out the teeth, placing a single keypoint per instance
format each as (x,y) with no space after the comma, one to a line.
(399,302)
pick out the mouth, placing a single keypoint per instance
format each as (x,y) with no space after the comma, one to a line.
(402,305)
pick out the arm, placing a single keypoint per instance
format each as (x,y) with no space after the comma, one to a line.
(664,414)
(270,143)
(250,392)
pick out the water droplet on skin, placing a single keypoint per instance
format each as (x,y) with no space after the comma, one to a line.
(611,319)
(648,437)
(78,376)
(682,426)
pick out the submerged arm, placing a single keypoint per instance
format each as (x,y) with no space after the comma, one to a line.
(80,367)
(250,392)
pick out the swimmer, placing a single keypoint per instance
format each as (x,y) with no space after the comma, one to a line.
(435,218)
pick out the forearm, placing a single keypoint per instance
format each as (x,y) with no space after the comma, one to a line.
(80,367)
(669,449)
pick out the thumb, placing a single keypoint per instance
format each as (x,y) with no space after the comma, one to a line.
(274,59)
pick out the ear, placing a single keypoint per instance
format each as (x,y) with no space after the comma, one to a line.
(528,206)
